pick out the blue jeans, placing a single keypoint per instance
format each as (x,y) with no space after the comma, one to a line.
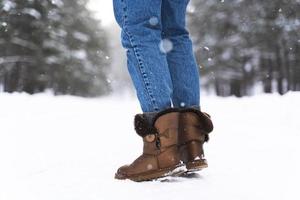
(160,57)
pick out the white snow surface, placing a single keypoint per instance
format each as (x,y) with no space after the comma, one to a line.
(68,148)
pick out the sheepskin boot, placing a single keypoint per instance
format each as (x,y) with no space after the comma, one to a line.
(160,156)
(194,127)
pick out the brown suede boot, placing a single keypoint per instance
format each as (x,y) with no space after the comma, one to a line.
(160,157)
(194,127)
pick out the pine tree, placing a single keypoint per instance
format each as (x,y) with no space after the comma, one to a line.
(52,45)
(241,44)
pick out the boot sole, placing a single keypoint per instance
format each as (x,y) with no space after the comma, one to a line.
(148,176)
(196,165)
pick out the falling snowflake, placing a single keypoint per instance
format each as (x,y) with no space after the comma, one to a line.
(149,167)
(153,21)
(206,48)
(81,36)
(182,104)
(8,5)
(32,12)
(59,3)
(79,54)
(166,46)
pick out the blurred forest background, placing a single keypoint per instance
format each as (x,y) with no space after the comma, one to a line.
(52,44)
(245,45)
(242,46)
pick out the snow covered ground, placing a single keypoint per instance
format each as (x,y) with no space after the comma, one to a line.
(63,148)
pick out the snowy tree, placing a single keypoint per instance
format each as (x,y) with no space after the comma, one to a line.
(52,44)
(240,44)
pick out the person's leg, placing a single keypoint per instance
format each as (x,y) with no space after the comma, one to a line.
(181,61)
(140,21)
(194,125)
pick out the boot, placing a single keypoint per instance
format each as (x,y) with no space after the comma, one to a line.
(194,127)
(160,156)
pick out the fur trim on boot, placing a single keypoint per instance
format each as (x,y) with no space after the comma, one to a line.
(144,123)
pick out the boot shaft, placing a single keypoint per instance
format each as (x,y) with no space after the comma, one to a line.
(163,144)
(160,152)
(194,127)
(159,130)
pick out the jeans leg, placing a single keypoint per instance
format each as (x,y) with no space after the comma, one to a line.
(181,60)
(140,21)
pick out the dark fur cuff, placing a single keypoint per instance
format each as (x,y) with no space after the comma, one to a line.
(144,123)
(142,126)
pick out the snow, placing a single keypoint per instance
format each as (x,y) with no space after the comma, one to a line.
(24,43)
(153,21)
(79,54)
(32,12)
(197,158)
(8,5)
(206,48)
(103,11)
(81,36)
(67,148)
(165,45)
(4,24)
(58,3)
